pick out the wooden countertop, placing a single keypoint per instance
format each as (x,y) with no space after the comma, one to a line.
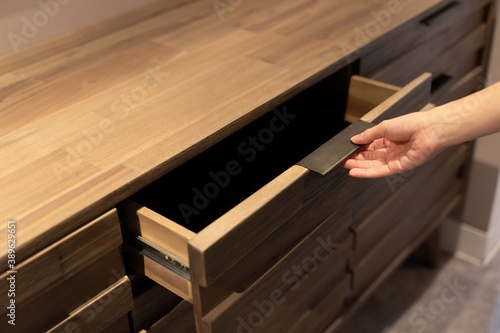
(92,116)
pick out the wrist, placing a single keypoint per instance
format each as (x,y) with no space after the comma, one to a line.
(433,124)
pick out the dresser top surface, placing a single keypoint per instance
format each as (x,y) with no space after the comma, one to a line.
(90,117)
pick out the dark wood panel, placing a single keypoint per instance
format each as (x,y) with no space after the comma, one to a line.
(179,320)
(101,311)
(412,209)
(280,283)
(56,302)
(65,258)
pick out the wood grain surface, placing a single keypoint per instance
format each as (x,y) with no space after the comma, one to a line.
(92,116)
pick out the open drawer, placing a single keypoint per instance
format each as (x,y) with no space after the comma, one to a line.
(205,221)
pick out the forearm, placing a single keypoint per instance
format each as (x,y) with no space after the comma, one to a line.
(466,119)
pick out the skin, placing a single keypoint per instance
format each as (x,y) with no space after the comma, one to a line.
(403,143)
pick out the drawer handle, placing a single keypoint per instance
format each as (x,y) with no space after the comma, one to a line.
(336,150)
(440,82)
(158,255)
(441,13)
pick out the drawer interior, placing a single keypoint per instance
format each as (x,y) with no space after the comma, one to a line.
(207,186)
(213,182)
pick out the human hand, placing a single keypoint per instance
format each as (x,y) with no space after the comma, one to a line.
(393,146)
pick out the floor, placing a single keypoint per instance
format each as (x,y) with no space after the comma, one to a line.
(455,297)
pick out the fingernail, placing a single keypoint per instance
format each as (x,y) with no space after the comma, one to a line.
(354,138)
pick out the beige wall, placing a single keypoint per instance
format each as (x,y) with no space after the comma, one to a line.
(26,22)
(494,66)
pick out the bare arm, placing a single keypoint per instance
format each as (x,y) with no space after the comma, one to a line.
(405,142)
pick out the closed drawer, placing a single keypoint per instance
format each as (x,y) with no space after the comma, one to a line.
(325,312)
(62,277)
(55,303)
(471,82)
(295,284)
(209,253)
(432,32)
(404,216)
(102,311)
(452,60)
(179,320)
(370,231)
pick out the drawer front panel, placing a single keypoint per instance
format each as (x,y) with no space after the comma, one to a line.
(100,312)
(59,266)
(270,251)
(468,84)
(435,57)
(379,259)
(65,257)
(447,22)
(373,229)
(179,320)
(122,325)
(57,302)
(429,196)
(311,291)
(325,312)
(317,260)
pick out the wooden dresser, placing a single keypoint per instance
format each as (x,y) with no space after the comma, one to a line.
(177,168)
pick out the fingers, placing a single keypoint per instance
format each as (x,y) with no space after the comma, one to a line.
(377,172)
(366,157)
(369,135)
(364,164)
